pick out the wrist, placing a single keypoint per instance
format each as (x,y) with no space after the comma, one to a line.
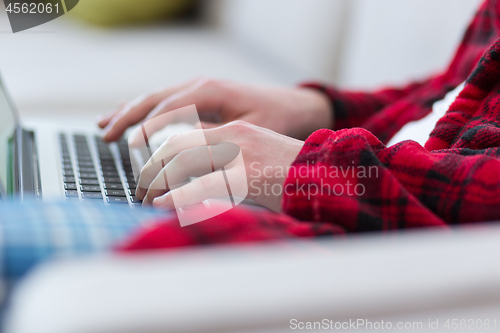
(315,111)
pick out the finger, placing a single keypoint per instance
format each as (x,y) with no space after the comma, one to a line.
(184,141)
(194,162)
(137,110)
(211,186)
(164,154)
(140,136)
(103,120)
(195,138)
(130,115)
(202,96)
(173,146)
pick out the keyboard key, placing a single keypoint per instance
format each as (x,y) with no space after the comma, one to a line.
(91,188)
(129,171)
(110,173)
(70,186)
(112,180)
(69,179)
(91,195)
(121,200)
(132,186)
(86,169)
(131,192)
(115,193)
(72,193)
(81,158)
(109,167)
(106,156)
(131,180)
(135,200)
(68,172)
(113,186)
(88,175)
(89,182)
(85,164)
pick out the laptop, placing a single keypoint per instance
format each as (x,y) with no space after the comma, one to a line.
(54,162)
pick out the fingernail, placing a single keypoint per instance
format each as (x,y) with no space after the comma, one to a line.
(160,201)
(165,201)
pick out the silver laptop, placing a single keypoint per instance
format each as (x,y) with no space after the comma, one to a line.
(51,162)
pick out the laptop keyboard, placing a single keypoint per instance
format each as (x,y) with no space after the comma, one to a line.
(97,171)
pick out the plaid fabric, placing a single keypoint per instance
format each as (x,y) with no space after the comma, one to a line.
(31,233)
(242,224)
(454,179)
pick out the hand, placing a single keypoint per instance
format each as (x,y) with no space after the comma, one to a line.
(266,155)
(296,112)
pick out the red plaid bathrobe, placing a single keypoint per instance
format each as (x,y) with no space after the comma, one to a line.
(454,179)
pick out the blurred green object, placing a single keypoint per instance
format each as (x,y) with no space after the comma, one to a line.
(121,12)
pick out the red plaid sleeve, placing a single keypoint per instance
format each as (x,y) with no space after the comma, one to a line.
(350,178)
(242,224)
(384,112)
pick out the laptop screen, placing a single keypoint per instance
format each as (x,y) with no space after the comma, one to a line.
(7,128)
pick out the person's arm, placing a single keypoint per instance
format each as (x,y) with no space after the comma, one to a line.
(349,177)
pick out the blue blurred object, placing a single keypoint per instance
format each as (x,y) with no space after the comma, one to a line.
(34,232)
